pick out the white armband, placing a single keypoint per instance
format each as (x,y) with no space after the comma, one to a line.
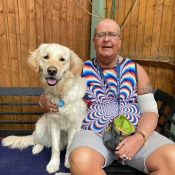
(147,103)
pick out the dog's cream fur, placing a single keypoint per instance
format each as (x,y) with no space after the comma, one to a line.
(59,70)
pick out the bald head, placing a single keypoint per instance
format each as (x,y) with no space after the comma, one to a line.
(105,23)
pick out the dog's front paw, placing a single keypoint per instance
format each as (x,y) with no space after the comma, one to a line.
(37,148)
(66,164)
(52,167)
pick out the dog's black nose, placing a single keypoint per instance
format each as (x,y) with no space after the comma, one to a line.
(52,70)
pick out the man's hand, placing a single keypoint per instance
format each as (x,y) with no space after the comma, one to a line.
(47,104)
(129,146)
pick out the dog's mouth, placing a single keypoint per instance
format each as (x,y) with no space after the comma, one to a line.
(51,81)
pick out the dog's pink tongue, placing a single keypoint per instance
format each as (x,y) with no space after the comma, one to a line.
(51,81)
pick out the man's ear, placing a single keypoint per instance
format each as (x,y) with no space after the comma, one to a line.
(93,41)
(120,42)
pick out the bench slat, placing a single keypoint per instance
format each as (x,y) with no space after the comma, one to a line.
(21,91)
(16,122)
(20,103)
(16,132)
(21,113)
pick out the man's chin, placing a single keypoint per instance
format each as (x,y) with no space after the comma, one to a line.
(106,55)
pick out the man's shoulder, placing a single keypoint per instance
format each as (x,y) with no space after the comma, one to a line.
(128,59)
(88,63)
(128,62)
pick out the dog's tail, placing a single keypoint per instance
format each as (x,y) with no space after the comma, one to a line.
(19,142)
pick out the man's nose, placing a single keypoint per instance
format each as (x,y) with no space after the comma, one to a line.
(106,37)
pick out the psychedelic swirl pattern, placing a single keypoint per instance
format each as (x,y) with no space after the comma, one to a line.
(101,97)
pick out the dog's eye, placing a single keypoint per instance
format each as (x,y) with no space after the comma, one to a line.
(46,57)
(61,59)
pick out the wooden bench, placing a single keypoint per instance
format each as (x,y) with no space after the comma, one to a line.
(19,110)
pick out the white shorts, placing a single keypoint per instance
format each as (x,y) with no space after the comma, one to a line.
(95,141)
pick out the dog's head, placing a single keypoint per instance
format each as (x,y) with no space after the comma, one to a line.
(53,61)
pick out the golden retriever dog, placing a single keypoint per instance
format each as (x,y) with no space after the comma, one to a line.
(59,69)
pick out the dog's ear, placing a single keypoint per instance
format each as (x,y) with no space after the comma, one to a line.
(76,64)
(33,60)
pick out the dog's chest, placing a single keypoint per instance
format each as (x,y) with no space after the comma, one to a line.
(63,121)
(64,124)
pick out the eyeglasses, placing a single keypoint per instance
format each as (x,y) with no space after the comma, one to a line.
(110,35)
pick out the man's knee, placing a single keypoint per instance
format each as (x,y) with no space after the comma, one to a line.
(85,156)
(162,159)
(79,156)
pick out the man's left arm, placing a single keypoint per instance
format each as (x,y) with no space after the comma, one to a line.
(148,106)
(148,119)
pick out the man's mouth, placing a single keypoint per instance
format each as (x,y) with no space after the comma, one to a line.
(104,47)
(51,81)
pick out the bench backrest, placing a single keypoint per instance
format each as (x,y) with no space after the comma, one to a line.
(19,110)
(166,109)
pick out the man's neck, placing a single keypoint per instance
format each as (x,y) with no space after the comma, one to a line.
(108,63)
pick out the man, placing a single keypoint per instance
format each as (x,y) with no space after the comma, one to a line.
(146,150)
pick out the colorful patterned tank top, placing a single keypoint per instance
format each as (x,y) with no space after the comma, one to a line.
(101,98)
